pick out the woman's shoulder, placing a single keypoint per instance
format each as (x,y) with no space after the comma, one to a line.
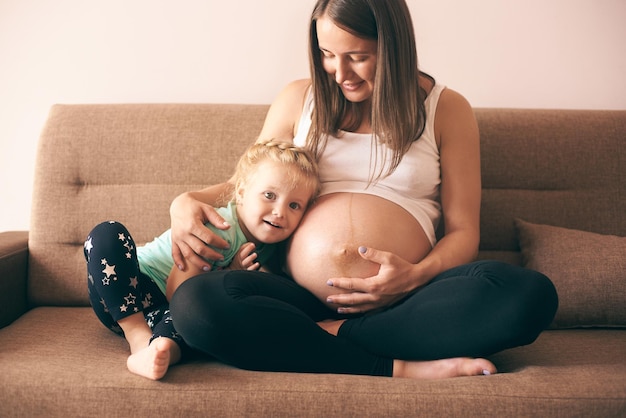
(454,116)
(451,105)
(284,113)
(295,92)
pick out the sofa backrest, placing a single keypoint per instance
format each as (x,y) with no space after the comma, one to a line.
(123,163)
(564,168)
(127,163)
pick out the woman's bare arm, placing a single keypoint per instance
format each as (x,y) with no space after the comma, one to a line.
(282,118)
(190,211)
(459,142)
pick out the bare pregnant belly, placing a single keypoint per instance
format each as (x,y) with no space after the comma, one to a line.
(326,243)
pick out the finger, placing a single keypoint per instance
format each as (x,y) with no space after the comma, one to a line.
(195,246)
(204,234)
(247,249)
(251,258)
(373,255)
(198,256)
(251,261)
(177,255)
(351,299)
(214,218)
(197,261)
(349,310)
(254,266)
(206,237)
(347,283)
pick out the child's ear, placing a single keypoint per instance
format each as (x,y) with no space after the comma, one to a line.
(239,195)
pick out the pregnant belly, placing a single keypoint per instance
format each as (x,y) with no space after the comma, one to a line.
(326,243)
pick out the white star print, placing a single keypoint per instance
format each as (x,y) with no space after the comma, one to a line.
(106,281)
(109,270)
(128,255)
(133,282)
(123,308)
(88,245)
(121,237)
(130,299)
(103,261)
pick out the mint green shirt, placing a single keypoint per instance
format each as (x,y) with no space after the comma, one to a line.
(155,258)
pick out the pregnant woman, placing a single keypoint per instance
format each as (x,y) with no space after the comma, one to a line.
(367,287)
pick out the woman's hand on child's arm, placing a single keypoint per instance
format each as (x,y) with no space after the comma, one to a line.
(190,238)
(245,259)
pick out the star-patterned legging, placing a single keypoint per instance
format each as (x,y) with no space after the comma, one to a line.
(117,288)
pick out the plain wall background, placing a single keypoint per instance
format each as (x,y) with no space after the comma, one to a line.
(498,53)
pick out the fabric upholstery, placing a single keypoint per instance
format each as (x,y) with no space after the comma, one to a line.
(533,381)
(13,275)
(562,168)
(554,167)
(587,269)
(123,163)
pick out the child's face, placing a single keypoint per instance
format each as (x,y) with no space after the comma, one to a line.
(268,206)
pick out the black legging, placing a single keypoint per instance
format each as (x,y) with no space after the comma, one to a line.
(260,321)
(117,288)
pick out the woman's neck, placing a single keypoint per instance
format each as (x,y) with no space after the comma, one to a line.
(364,126)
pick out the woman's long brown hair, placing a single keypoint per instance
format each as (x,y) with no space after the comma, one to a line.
(398,116)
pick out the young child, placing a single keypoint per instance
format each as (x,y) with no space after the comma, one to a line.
(129,287)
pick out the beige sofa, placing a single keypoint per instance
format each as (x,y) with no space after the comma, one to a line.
(561,172)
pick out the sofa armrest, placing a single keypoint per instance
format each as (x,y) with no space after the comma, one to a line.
(13,275)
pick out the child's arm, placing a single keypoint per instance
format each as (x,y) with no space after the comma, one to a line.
(246,259)
(177,277)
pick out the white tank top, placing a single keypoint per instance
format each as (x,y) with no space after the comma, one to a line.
(347,161)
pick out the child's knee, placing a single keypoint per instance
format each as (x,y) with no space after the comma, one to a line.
(106,230)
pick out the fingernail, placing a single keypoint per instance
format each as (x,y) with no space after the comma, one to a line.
(180,266)
(226,223)
(486,373)
(329,300)
(206,268)
(341,310)
(329,283)
(362,250)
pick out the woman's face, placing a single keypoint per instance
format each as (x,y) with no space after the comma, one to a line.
(350,59)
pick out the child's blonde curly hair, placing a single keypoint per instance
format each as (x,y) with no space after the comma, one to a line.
(301,164)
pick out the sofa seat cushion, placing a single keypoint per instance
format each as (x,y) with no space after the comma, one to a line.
(588,271)
(62,361)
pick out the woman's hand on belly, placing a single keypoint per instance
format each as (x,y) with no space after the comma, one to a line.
(395,279)
(325,247)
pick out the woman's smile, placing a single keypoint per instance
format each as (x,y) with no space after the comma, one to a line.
(349,59)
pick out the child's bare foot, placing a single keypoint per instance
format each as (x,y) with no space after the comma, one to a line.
(154,360)
(439,369)
(136,331)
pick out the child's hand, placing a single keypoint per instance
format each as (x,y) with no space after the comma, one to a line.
(245,258)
